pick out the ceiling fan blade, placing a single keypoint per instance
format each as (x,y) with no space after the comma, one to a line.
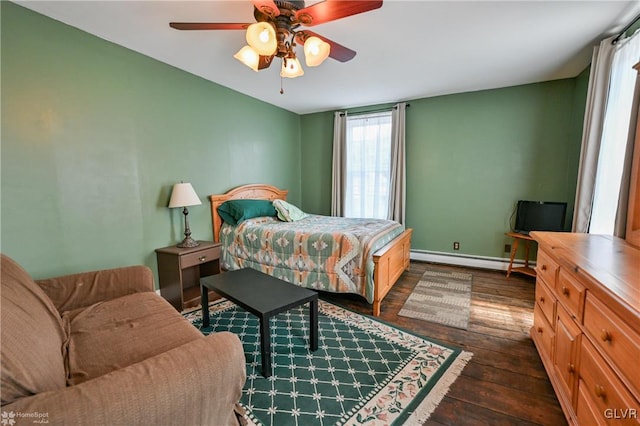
(330,10)
(268,7)
(265,61)
(208,26)
(337,52)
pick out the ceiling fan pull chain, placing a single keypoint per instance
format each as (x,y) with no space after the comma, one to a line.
(281,88)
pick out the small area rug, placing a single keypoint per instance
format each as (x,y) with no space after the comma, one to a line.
(365,372)
(441,296)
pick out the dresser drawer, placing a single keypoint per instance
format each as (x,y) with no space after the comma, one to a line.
(616,339)
(602,389)
(199,257)
(586,410)
(546,268)
(546,301)
(570,293)
(543,332)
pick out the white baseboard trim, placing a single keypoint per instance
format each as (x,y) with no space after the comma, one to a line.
(483,262)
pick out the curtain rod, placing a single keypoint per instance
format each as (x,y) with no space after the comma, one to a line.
(624,30)
(373,111)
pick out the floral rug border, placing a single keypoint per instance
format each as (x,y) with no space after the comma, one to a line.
(412,393)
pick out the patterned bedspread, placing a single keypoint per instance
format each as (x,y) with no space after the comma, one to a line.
(321,252)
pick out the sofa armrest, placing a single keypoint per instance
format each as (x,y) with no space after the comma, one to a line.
(70,292)
(198,383)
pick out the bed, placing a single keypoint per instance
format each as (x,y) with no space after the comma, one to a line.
(384,256)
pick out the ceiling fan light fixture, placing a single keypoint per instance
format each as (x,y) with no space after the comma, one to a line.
(291,68)
(262,37)
(316,51)
(277,32)
(248,56)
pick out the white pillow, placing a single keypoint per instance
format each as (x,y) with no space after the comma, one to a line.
(288,212)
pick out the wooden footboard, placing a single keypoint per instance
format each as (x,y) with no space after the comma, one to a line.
(390,262)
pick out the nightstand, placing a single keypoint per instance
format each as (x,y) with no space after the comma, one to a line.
(180,270)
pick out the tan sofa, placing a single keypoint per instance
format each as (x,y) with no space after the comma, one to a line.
(102,348)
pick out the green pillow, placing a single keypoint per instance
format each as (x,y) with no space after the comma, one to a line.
(235,211)
(288,212)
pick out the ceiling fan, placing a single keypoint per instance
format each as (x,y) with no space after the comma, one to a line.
(277,31)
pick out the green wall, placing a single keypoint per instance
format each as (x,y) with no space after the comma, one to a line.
(470,157)
(94,136)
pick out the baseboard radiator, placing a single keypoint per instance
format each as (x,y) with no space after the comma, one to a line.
(483,262)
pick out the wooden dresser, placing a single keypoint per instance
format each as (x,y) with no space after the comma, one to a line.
(586,325)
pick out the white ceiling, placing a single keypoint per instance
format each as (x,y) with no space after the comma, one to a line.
(406,49)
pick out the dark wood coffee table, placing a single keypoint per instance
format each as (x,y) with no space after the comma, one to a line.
(264,296)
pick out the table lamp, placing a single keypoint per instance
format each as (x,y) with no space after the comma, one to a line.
(183,195)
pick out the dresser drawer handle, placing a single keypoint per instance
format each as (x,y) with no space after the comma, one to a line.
(543,267)
(571,368)
(565,291)
(600,392)
(541,299)
(540,330)
(606,336)
(202,258)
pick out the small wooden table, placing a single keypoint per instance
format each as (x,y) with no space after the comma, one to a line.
(180,270)
(264,296)
(522,269)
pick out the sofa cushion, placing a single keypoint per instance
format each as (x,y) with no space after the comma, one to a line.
(117,333)
(83,289)
(33,338)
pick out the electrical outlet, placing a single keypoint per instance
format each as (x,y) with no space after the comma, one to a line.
(456,245)
(507,248)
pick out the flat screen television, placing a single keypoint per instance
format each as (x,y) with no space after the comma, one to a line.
(539,216)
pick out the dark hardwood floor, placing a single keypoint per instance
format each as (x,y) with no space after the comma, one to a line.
(505,382)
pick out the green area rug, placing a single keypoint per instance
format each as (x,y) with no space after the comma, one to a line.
(364,371)
(441,296)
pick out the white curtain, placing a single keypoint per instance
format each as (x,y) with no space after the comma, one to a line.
(398,187)
(369,165)
(613,146)
(339,164)
(368,155)
(620,229)
(592,133)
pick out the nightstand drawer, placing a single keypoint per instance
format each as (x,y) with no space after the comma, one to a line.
(199,257)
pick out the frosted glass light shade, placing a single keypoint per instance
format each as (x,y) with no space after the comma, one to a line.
(248,56)
(183,195)
(315,51)
(262,37)
(291,68)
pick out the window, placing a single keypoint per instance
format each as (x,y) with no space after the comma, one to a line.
(615,133)
(368,165)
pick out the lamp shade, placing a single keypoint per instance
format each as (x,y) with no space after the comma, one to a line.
(183,195)
(248,56)
(315,51)
(262,37)
(291,68)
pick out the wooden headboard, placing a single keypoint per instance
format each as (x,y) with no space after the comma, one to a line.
(254,191)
